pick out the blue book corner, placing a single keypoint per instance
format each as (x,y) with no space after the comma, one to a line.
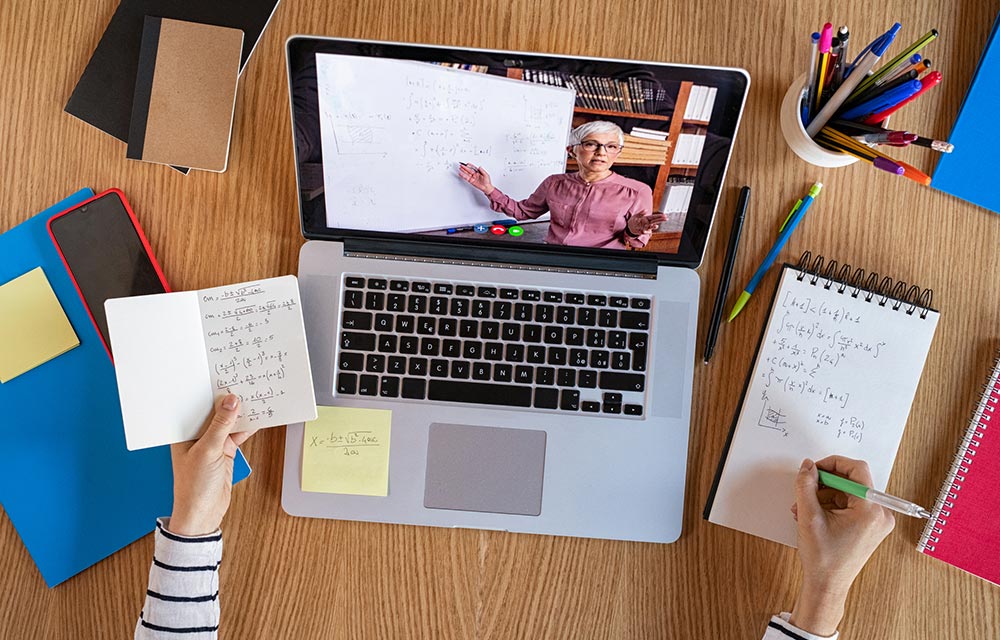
(970,171)
(73,491)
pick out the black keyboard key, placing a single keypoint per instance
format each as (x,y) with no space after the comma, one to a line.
(621,360)
(459,307)
(592,407)
(616,339)
(514,353)
(565,315)
(481,371)
(544,313)
(415,389)
(633,409)
(639,361)
(545,375)
(578,358)
(600,359)
(399,285)
(574,336)
(566,378)
(510,331)
(353,299)
(465,290)
(502,310)
(347,383)
(438,306)
(487,292)
(597,301)
(546,398)
(355,282)
(443,289)
(368,385)
(396,365)
(421,287)
(383,322)
(553,335)
(477,393)
(408,344)
(532,333)
(634,320)
(503,372)
(374,363)
(374,301)
(575,298)
(404,324)
(531,295)
(493,351)
(569,400)
(640,303)
(557,356)
(524,374)
(552,296)
(509,294)
(377,283)
(638,342)
(618,301)
(352,361)
(586,316)
(608,407)
(439,368)
(472,350)
(481,308)
(387,344)
(536,354)
(417,304)
(357,341)
(390,387)
(468,329)
(395,302)
(451,349)
(622,381)
(447,326)
(587,379)
(595,338)
(607,318)
(522,312)
(612,396)
(460,369)
(418,366)
(489,330)
(429,346)
(357,320)
(426,326)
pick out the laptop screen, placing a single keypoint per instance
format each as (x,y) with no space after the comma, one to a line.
(499,148)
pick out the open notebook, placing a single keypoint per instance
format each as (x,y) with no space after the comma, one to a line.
(835,373)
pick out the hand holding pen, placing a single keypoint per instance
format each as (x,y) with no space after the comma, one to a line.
(476,176)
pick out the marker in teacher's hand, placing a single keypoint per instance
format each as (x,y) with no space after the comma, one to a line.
(872,495)
(469,166)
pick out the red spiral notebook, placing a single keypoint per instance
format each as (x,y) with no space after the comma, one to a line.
(964,529)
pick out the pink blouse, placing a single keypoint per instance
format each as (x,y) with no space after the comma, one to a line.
(583,215)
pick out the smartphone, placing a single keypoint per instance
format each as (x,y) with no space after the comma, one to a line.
(106,253)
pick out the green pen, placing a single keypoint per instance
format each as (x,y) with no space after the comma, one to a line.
(872,495)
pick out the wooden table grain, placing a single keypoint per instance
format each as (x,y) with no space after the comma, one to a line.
(286,577)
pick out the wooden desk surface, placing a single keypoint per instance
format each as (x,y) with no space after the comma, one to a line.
(287,577)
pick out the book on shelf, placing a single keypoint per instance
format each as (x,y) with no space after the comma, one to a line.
(625,95)
(633,142)
(700,103)
(689,148)
(648,134)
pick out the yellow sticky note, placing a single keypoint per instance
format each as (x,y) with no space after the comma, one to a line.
(347,451)
(33,326)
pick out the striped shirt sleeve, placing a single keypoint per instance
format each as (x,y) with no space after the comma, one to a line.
(182,600)
(779,628)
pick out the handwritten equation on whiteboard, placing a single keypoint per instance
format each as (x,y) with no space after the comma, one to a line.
(255,340)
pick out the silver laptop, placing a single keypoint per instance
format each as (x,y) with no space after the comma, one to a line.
(535,351)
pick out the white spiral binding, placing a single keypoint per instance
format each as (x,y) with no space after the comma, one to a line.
(964,460)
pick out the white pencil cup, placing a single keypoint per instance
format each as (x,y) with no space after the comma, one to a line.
(795,132)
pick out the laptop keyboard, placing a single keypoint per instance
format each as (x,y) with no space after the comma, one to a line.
(445,341)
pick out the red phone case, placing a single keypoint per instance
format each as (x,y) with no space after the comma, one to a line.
(142,239)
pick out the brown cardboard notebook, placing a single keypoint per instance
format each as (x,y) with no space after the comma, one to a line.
(185,89)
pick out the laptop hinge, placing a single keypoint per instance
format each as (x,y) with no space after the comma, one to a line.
(631,264)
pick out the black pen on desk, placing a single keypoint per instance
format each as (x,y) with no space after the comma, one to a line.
(727,271)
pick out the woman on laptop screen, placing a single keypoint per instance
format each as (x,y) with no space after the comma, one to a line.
(592,207)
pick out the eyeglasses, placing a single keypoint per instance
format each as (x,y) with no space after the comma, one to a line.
(593,145)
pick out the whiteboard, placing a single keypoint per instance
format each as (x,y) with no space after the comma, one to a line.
(394,131)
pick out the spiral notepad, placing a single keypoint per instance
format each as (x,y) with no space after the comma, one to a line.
(964,529)
(835,372)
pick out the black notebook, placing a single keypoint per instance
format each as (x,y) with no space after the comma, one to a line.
(103,95)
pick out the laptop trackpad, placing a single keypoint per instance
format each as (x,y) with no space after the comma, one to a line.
(489,469)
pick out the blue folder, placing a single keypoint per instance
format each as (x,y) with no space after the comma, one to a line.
(970,172)
(73,491)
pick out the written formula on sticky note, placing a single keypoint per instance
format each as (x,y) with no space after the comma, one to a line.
(347,451)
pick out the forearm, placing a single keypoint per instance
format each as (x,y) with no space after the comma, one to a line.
(819,609)
(183,594)
(524,210)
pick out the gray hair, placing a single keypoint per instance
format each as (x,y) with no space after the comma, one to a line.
(580,134)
